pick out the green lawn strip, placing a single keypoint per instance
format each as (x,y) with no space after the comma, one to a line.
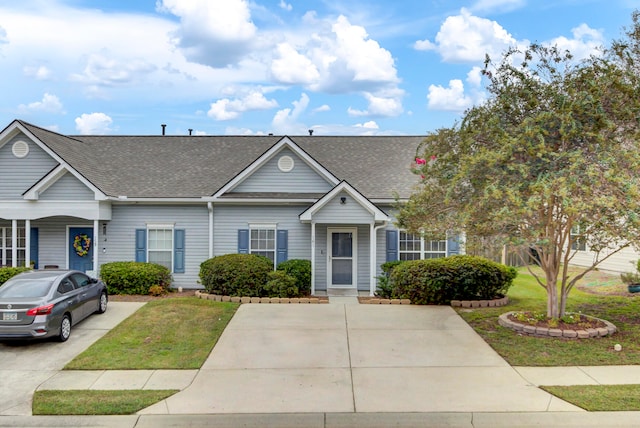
(96,402)
(522,350)
(599,398)
(176,333)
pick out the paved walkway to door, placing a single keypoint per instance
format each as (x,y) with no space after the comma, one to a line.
(354,358)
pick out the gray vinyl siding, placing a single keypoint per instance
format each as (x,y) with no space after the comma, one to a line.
(119,242)
(17,175)
(52,239)
(227,220)
(351,212)
(268,178)
(67,188)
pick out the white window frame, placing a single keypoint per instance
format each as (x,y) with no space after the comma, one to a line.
(6,249)
(426,246)
(578,243)
(257,227)
(164,227)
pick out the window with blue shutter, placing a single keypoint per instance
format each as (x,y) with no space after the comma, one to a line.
(178,251)
(282,246)
(392,245)
(141,245)
(33,256)
(243,241)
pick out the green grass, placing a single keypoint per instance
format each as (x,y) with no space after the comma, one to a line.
(176,333)
(94,402)
(520,350)
(599,398)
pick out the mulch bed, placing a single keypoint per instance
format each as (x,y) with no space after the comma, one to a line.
(147,298)
(583,323)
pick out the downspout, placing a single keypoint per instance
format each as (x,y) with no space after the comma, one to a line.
(313,257)
(374,245)
(96,238)
(210,209)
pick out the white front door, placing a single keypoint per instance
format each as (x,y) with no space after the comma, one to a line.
(342,244)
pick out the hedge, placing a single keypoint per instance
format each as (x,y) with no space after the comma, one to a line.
(134,277)
(8,272)
(438,281)
(301,270)
(235,274)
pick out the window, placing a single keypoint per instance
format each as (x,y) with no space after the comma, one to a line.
(160,245)
(262,241)
(415,247)
(577,240)
(6,247)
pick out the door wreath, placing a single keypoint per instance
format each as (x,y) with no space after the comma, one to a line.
(82,244)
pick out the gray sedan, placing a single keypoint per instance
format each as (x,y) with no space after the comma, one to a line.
(48,303)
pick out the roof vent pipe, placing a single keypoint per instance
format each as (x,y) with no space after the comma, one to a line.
(163,128)
(190,131)
(310,132)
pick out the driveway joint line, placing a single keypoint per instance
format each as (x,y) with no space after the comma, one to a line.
(346,327)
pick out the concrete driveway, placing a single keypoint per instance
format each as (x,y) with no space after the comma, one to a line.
(354,358)
(25,365)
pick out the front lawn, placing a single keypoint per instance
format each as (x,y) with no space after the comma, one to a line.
(521,350)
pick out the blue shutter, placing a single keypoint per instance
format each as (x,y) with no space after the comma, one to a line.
(392,245)
(33,256)
(141,245)
(243,241)
(453,245)
(282,246)
(178,251)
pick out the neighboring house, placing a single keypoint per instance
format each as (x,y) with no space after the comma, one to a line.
(81,201)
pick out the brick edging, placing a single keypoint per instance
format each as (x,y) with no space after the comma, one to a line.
(264,300)
(531,330)
(379,301)
(495,303)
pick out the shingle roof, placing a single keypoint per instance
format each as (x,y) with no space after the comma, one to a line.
(197,166)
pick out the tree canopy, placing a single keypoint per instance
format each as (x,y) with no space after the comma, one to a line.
(550,161)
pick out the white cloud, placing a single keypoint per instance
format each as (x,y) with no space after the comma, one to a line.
(586,41)
(38,72)
(286,6)
(49,104)
(104,70)
(291,67)
(227,109)
(214,33)
(468,38)
(386,105)
(499,5)
(94,124)
(369,125)
(452,98)
(323,107)
(3,36)
(285,121)
(474,76)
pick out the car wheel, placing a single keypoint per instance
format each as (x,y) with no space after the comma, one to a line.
(65,328)
(102,303)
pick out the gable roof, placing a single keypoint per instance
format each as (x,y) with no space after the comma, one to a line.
(199,166)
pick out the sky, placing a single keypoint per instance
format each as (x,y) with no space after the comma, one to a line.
(238,67)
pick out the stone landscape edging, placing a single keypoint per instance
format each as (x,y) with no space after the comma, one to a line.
(494,303)
(532,330)
(262,300)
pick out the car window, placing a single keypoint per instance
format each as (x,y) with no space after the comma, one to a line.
(80,279)
(25,288)
(65,286)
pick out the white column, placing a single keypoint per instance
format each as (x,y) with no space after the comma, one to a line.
(313,258)
(27,243)
(14,243)
(372,258)
(96,249)
(210,209)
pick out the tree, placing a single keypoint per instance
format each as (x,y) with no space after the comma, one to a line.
(550,161)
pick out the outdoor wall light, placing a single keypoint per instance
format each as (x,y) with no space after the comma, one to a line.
(343,200)
(104,229)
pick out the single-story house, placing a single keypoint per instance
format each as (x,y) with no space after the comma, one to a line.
(81,201)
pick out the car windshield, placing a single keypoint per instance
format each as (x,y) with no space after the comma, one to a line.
(25,288)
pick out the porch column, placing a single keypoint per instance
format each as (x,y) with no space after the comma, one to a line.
(27,243)
(96,250)
(313,258)
(210,209)
(372,258)
(14,243)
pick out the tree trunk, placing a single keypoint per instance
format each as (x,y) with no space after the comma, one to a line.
(552,300)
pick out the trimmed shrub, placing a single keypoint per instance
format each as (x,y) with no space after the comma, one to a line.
(235,274)
(280,284)
(384,288)
(301,271)
(134,277)
(438,281)
(8,272)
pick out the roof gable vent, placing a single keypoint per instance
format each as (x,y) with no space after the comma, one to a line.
(20,149)
(285,163)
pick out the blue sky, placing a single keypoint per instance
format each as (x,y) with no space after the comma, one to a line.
(271,66)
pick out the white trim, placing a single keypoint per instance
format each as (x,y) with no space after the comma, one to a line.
(210,210)
(33,210)
(313,258)
(354,257)
(52,177)
(377,213)
(268,155)
(14,243)
(161,226)
(20,149)
(27,243)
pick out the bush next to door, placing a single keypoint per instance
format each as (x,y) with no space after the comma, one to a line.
(438,281)
(134,277)
(280,284)
(236,274)
(8,272)
(301,270)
